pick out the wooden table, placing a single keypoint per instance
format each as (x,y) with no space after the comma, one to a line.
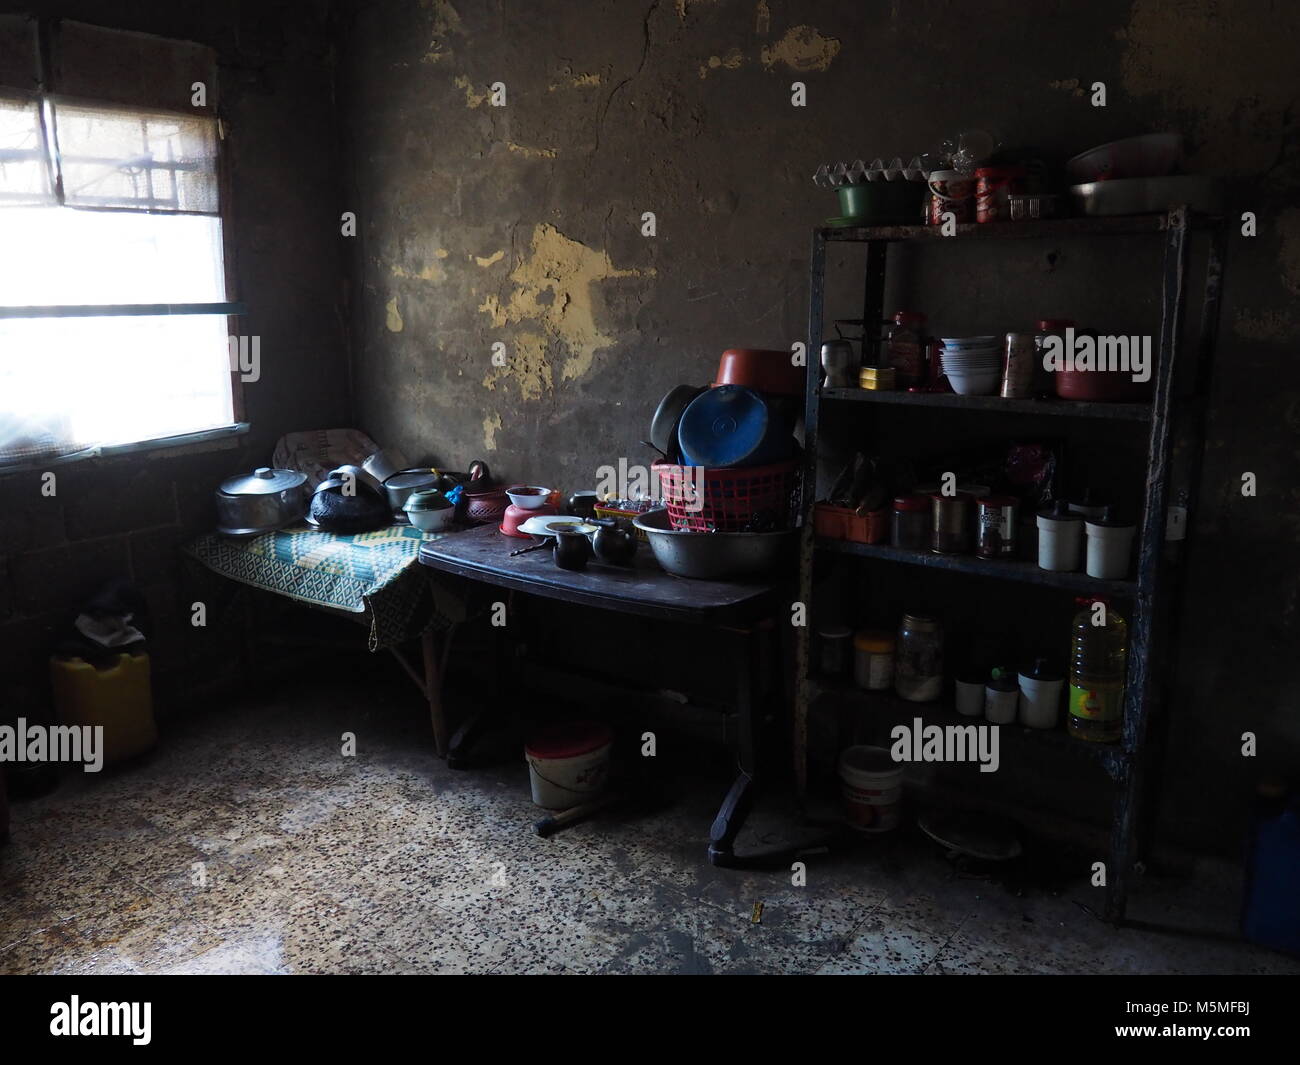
(736,608)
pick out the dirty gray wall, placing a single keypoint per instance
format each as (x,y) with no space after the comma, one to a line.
(523,224)
(127,516)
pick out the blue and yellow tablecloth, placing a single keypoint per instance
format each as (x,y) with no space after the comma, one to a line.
(376,572)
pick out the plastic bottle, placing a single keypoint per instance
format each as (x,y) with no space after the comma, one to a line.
(1098,664)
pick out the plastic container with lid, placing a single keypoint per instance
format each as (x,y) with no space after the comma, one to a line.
(871,787)
(833,641)
(1040,695)
(568,763)
(905,348)
(1001,697)
(909,523)
(1060,539)
(1110,546)
(994,186)
(873,659)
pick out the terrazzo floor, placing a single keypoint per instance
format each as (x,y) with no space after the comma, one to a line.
(247,844)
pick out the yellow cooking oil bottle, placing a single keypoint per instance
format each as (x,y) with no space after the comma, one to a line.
(1098,662)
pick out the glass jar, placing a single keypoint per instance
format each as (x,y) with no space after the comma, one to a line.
(873,659)
(905,349)
(909,523)
(918,664)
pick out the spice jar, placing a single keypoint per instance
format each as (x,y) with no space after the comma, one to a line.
(909,524)
(834,640)
(904,349)
(996,518)
(1001,697)
(873,659)
(918,665)
(951,523)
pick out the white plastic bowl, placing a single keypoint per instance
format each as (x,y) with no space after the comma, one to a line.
(528,496)
(978,384)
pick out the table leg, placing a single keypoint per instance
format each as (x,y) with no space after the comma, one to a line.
(735,807)
(433,671)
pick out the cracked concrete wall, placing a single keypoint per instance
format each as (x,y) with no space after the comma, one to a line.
(523,224)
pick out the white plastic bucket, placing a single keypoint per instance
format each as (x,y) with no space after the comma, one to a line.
(871,787)
(1040,702)
(1060,541)
(568,764)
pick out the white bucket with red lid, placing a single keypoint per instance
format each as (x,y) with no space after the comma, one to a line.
(568,763)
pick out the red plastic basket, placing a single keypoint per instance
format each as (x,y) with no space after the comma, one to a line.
(734,499)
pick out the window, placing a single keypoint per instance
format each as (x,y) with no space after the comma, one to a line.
(113,303)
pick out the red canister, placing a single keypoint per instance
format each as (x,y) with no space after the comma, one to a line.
(993,187)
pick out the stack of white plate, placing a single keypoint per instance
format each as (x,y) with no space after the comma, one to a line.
(973,365)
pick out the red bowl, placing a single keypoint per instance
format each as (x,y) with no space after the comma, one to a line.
(1102,386)
(761,370)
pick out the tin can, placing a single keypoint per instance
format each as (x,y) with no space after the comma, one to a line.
(951,523)
(995,526)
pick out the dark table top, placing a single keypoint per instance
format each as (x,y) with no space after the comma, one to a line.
(483,554)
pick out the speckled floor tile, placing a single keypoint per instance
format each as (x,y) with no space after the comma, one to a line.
(887,946)
(389,862)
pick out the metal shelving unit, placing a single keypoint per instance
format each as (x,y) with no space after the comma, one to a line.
(1128,762)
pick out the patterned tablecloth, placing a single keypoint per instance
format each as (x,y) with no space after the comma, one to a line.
(375,572)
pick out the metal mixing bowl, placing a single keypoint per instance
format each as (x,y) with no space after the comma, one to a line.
(711,555)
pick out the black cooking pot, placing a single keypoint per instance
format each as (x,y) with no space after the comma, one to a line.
(348,505)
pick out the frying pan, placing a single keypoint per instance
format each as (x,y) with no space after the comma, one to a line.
(663,426)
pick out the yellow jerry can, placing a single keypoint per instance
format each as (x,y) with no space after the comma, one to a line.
(118,699)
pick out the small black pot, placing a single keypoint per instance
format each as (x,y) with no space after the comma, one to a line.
(572,549)
(615,542)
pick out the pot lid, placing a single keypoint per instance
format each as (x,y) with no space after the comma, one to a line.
(411,478)
(263,481)
(569,740)
(1040,670)
(1060,512)
(1002,680)
(1108,520)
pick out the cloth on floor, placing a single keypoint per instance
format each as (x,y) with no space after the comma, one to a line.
(376,572)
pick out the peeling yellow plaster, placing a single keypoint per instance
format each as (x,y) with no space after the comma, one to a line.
(441,253)
(532,153)
(393,317)
(731,61)
(490,426)
(1070,85)
(575,81)
(684,7)
(432,272)
(553,289)
(528,365)
(472,99)
(1239,114)
(487,261)
(762,19)
(445,21)
(802,49)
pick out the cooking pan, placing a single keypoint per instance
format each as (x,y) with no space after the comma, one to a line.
(663,426)
(260,502)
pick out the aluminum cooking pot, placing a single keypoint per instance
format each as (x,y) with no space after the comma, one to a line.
(261,501)
(401,485)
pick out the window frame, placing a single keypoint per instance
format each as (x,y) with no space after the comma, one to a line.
(232,306)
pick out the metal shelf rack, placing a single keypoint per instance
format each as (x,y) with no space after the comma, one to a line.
(1178,409)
